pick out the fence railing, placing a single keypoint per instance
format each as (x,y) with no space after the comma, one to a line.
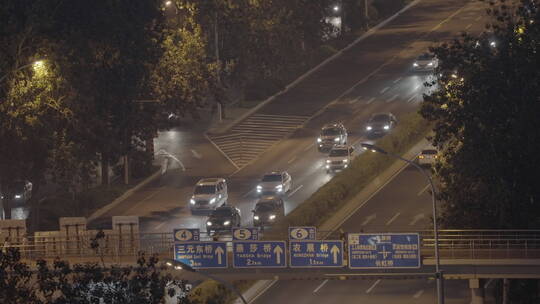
(453,244)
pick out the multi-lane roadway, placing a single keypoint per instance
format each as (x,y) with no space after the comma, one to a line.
(372,76)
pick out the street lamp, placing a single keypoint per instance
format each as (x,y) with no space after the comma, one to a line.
(37,65)
(179,266)
(440,290)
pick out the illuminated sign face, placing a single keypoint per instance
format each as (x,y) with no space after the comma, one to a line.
(384,250)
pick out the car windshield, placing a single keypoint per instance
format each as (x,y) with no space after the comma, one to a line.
(205,189)
(380,118)
(338,152)
(330,131)
(18,186)
(265,207)
(222,212)
(430,151)
(271,178)
(425,57)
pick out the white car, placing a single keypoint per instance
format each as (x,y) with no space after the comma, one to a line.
(427,157)
(209,193)
(339,158)
(274,183)
(426,62)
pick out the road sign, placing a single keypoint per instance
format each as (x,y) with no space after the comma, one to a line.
(302,233)
(202,254)
(316,254)
(185,235)
(245,234)
(259,254)
(384,250)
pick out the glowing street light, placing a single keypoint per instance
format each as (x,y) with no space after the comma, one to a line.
(37,65)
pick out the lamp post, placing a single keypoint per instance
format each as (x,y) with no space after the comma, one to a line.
(179,266)
(440,287)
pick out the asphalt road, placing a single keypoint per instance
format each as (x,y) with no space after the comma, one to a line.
(373,76)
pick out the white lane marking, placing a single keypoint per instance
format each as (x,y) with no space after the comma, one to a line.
(396,81)
(393,219)
(384,90)
(195,154)
(393,98)
(418,294)
(159,226)
(468,26)
(294,191)
(411,98)
(373,286)
(416,218)
(369,219)
(478,18)
(487,283)
(309,147)
(423,190)
(263,291)
(320,286)
(248,193)
(355,100)
(370,100)
(291,160)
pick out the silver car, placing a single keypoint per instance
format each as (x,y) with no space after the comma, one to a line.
(274,183)
(425,62)
(209,193)
(331,134)
(339,158)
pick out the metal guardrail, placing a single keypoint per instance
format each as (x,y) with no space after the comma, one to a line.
(453,244)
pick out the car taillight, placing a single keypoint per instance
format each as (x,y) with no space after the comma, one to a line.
(421,156)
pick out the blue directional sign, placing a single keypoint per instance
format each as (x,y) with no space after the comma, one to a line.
(384,250)
(259,254)
(304,254)
(302,233)
(184,235)
(202,254)
(245,234)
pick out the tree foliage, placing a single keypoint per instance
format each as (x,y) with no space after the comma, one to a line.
(60,283)
(485,111)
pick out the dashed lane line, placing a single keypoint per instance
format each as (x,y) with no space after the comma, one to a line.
(294,191)
(392,98)
(384,90)
(320,286)
(393,219)
(397,80)
(370,100)
(423,190)
(418,294)
(373,286)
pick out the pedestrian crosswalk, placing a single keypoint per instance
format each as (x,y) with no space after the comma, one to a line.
(247,140)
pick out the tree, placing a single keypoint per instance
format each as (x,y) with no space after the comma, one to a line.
(59,282)
(485,113)
(485,107)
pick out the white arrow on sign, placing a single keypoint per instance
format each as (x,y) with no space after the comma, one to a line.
(278,251)
(335,252)
(219,251)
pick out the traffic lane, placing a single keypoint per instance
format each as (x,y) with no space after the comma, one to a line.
(365,57)
(395,200)
(365,291)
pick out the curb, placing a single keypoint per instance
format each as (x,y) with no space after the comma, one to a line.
(123,197)
(320,65)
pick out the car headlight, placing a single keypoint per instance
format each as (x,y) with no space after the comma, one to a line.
(18,196)
(336,139)
(192,201)
(493,44)
(328,161)
(256,217)
(345,160)
(208,223)
(415,64)
(279,188)
(369,128)
(327,166)
(212,200)
(272,216)
(386,127)
(319,140)
(226,223)
(430,64)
